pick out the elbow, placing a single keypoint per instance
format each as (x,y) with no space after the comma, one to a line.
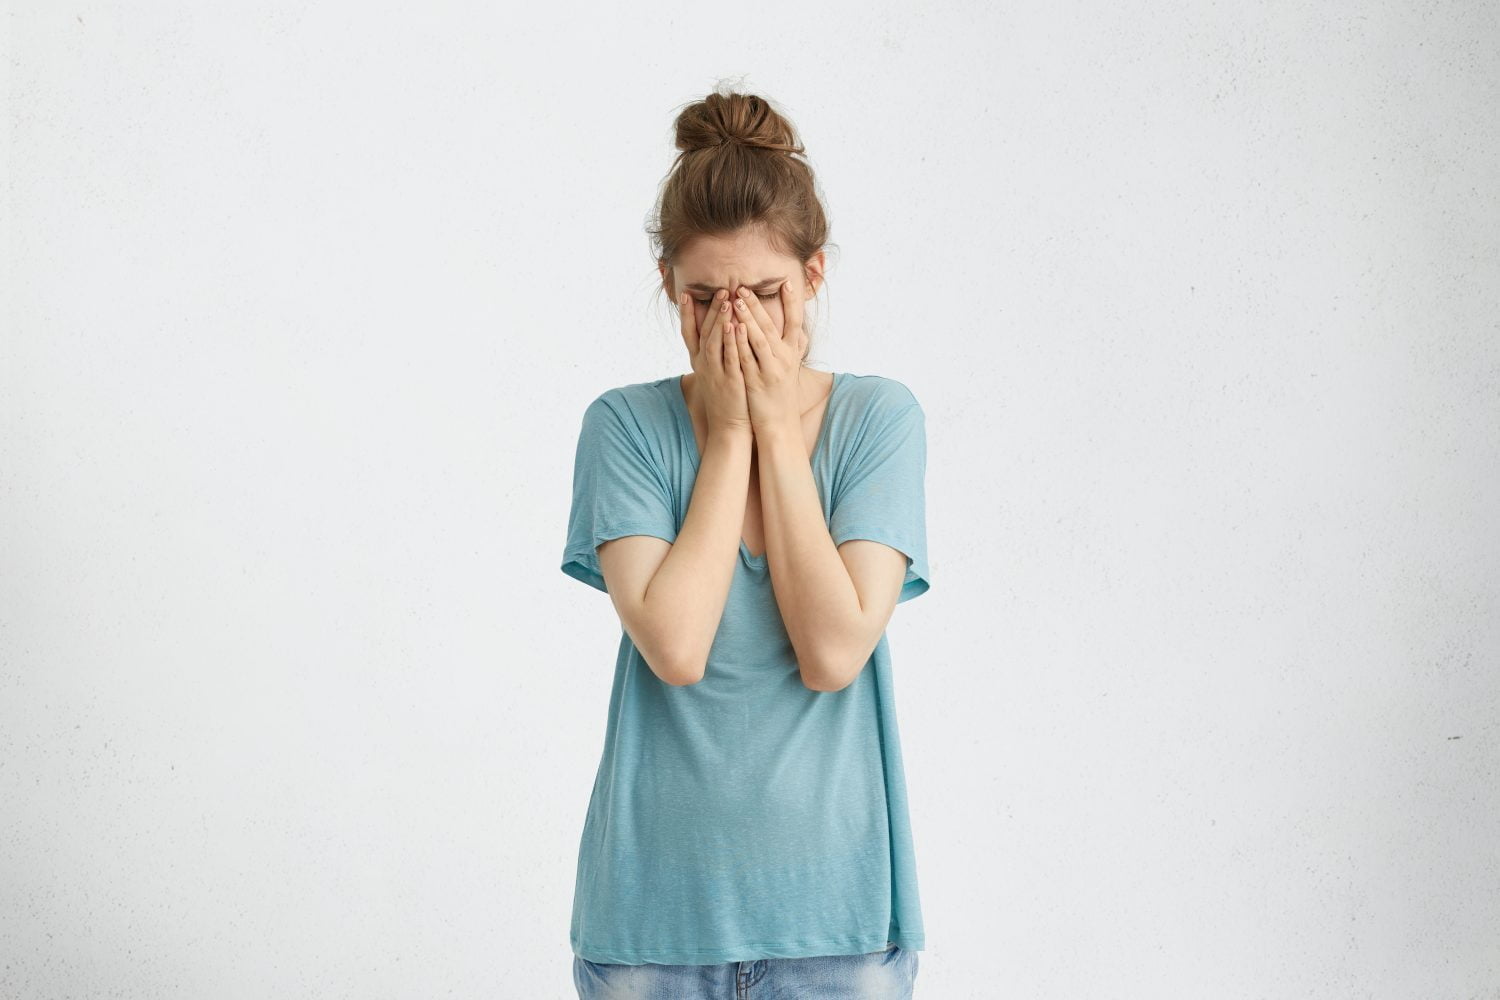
(683,678)
(824,677)
(682,668)
(669,661)
(833,669)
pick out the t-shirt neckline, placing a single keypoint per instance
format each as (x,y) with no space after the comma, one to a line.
(685,423)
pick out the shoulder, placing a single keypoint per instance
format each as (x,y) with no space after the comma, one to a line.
(879,397)
(639,407)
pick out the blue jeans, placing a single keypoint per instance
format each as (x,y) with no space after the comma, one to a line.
(878,975)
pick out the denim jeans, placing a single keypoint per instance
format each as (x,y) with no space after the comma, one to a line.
(879,975)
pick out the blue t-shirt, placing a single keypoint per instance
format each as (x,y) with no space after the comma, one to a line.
(747,816)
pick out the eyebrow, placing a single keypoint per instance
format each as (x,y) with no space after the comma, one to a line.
(699,286)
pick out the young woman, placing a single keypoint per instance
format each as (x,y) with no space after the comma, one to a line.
(754,523)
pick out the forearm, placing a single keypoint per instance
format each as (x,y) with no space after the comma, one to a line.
(819,604)
(687,594)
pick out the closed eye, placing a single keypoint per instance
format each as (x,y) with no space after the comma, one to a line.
(760,295)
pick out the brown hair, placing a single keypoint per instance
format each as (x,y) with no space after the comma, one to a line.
(740,164)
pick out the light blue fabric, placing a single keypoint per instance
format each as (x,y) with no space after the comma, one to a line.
(747,816)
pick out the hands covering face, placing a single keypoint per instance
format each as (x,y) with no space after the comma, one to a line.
(748,365)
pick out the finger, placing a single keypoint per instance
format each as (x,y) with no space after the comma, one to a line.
(757,311)
(687,319)
(748,361)
(731,348)
(760,343)
(758,335)
(719,332)
(702,329)
(791,308)
(746,320)
(707,328)
(736,366)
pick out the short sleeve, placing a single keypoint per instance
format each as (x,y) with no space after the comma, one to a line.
(618,489)
(882,497)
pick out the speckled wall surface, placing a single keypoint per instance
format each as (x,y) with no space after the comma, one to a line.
(302,304)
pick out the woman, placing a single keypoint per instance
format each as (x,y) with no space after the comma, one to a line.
(755,524)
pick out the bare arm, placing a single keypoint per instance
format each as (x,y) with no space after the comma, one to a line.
(834,601)
(670,596)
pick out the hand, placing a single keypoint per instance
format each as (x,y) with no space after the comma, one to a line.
(771,359)
(715,358)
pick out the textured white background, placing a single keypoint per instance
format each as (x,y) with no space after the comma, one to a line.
(302,307)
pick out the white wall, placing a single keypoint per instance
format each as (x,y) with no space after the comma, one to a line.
(302,306)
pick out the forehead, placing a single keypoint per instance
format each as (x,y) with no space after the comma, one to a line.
(709,263)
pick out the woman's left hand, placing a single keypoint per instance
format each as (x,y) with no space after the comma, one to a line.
(771,359)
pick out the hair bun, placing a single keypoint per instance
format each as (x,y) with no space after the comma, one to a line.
(729,118)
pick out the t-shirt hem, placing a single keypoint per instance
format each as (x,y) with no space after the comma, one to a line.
(581,561)
(918,576)
(748,952)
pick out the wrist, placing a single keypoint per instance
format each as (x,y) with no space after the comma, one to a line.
(731,435)
(779,433)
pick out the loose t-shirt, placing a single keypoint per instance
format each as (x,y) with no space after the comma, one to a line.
(747,816)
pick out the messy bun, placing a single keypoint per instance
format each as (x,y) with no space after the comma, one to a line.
(743,119)
(740,163)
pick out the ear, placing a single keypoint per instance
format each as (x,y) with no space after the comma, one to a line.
(666,283)
(813,272)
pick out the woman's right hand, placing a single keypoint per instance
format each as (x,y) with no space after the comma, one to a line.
(716,363)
